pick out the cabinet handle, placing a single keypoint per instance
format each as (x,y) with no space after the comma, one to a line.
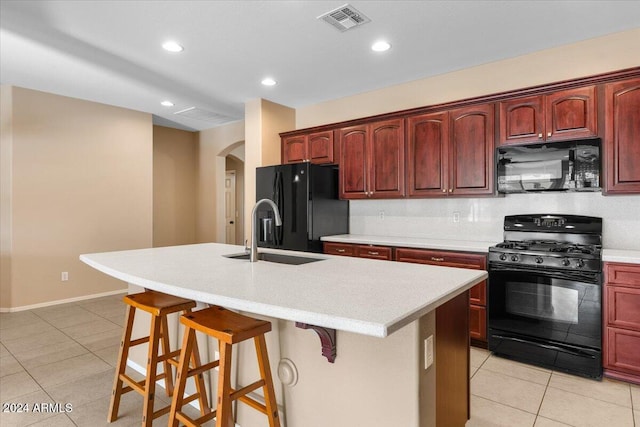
(539,135)
(451,190)
(437,259)
(341,251)
(548,134)
(444,190)
(374,253)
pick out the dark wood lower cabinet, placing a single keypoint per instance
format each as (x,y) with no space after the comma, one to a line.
(477,294)
(621,341)
(476,261)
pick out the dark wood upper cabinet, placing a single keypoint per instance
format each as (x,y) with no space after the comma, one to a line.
(622,137)
(558,116)
(320,147)
(354,166)
(571,114)
(315,148)
(451,152)
(294,149)
(427,160)
(471,147)
(522,120)
(372,160)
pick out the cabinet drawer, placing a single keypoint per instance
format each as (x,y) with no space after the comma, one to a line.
(622,350)
(446,259)
(623,307)
(339,249)
(622,274)
(374,252)
(478,322)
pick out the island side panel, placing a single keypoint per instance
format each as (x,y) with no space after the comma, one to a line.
(373,382)
(452,359)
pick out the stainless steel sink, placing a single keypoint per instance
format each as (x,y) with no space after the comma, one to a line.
(278,258)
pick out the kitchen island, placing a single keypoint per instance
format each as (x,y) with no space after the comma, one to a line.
(383,313)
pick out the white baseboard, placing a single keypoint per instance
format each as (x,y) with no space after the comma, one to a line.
(61,301)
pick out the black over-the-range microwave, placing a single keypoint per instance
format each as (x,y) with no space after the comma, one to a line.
(552,166)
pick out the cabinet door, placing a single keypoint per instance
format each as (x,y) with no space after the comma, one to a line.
(478,322)
(471,150)
(353,162)
(294,149)
(427,165)
(387,144)
(522,120)
(571,114)
(621,143)
(320,147)
(623,308)
(621,352)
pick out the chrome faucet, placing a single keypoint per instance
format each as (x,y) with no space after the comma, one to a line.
(253,257)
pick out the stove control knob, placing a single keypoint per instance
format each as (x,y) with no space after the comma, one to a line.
(514,258)
(579,263)
(566,262)
(539,260)
(503,257)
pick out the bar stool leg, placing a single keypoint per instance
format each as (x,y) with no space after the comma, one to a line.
(152,368)
(199,378)
(123,354)
(166,349)
(265,374)
(183,368)
(224,417)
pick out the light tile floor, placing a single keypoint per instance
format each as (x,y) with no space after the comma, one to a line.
(66,354)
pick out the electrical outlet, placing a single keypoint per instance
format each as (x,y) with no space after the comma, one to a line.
(381,215)
(428,352)
(64,276)
(456,216)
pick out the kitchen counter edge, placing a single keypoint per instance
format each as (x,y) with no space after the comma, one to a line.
(412,242)
(621,255)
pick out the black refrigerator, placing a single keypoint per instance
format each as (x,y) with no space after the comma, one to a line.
(307,198)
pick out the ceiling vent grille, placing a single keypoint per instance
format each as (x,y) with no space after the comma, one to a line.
(204,115)
(345,18)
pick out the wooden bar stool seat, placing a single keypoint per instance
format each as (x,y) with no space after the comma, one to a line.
(159,306)
(228,328)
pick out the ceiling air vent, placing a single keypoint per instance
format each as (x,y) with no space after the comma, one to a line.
(204,115)
(345,18)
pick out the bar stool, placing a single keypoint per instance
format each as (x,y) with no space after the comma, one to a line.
(159,305)
(228,328)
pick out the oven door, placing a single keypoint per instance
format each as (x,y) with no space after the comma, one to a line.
(550,318)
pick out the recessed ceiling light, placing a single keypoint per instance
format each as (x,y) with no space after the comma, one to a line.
(380,46)
(167,103)
(268,81)
(172,46)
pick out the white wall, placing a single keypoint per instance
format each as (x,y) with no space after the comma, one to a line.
(482,218)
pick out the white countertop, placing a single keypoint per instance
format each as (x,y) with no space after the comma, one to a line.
(364,296)
(621,255)
(412,242)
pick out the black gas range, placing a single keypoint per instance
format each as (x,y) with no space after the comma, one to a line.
(545,292)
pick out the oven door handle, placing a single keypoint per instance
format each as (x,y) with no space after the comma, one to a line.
(576,352)
(579,276)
